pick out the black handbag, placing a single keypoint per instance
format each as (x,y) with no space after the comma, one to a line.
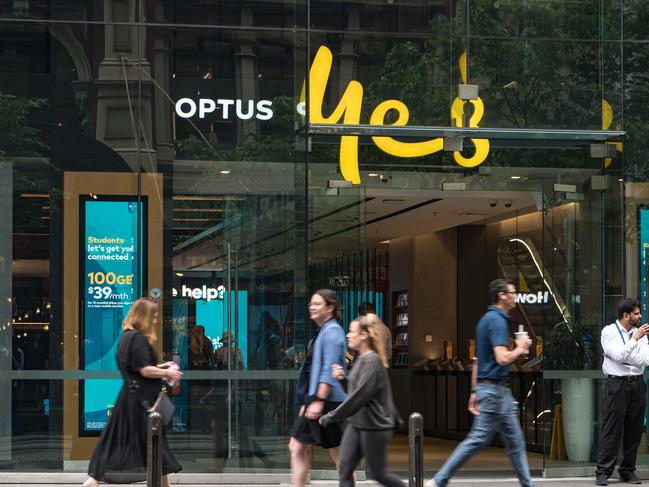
(163,406)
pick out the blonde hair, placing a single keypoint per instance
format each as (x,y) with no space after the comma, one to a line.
(379,335)
(140,318)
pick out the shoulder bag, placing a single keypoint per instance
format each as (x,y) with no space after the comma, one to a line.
(163,406)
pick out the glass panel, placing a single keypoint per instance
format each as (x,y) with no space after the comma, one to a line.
(413,18)
(236,255)
(545,19)
(260,410)
(223,246)
(260,13)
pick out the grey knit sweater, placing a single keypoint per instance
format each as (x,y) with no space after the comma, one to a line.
(369,405)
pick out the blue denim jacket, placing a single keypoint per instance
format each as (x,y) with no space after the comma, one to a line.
(329,348)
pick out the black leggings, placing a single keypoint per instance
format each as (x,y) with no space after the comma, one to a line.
(373,445)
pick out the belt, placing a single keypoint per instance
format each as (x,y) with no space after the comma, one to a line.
(627,378)
(504,383)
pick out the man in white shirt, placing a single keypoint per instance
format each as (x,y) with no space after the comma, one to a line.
(626,354)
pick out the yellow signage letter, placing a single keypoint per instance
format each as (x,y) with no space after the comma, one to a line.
(348,109)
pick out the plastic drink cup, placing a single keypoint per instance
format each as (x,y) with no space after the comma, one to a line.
(172,366)
(520,334)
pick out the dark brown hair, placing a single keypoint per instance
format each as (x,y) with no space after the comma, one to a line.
(332,300)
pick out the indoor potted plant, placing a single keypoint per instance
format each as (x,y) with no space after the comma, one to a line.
(572,346)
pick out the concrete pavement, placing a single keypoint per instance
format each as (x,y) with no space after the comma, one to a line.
(16,479)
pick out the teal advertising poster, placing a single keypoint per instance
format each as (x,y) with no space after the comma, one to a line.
(110,256)
(643,217)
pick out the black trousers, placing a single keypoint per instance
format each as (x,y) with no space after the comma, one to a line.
(623,420)
(373,445)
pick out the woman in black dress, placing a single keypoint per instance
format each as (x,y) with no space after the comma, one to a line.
(120,455)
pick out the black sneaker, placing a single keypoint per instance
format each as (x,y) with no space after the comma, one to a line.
(601,480)
(630,478)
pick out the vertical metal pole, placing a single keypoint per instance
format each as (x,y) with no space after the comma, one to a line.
(229,358)
(415,450)
(235,359)
(154,450)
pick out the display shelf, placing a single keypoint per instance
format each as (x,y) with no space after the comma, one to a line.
(400,329)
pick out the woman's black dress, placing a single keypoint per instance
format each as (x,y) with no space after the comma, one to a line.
(120,455)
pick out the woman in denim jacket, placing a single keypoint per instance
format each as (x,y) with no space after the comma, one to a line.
(318,392)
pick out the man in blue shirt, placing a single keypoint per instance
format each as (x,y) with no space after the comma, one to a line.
(491,399)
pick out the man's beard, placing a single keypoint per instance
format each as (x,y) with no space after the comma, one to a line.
(635,324)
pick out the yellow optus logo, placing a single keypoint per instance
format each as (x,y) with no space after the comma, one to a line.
(607,121)
(348,112)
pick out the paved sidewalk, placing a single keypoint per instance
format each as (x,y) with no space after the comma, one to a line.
(490,482)
(75,480)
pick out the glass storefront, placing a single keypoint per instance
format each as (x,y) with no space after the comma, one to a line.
(228,158)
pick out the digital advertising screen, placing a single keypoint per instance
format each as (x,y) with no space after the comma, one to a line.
(643,225)
(111,253)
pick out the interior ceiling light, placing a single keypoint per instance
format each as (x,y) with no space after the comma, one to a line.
(34,195)
(515,177)
(204,210)
(180,274)
(181,197)
(385,242)
(195,219)
(373,175)
(225,171)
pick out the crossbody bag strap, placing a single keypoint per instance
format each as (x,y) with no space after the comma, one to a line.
(128,351)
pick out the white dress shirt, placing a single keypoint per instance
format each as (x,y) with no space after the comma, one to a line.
(623,355)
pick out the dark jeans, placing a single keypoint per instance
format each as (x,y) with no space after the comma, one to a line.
(373,445)
(625,404)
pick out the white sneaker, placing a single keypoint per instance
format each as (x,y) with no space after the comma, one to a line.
(431,483)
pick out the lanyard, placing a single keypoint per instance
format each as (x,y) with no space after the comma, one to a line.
(620,332)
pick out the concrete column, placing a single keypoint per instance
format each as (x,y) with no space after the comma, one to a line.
(246,74)
(348,69)
(123,84)
(164,110)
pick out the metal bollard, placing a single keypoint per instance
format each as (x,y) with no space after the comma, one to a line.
(154,450)
(416,450)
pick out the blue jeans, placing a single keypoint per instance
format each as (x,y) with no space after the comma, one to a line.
(498,413)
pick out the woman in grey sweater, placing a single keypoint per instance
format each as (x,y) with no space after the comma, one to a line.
(369,408)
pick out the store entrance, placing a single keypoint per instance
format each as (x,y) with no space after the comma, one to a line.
(422,262)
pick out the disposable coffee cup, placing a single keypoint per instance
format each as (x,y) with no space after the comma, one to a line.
(521,335)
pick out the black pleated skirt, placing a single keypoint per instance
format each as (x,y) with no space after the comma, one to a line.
(120,455)
(309,431)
